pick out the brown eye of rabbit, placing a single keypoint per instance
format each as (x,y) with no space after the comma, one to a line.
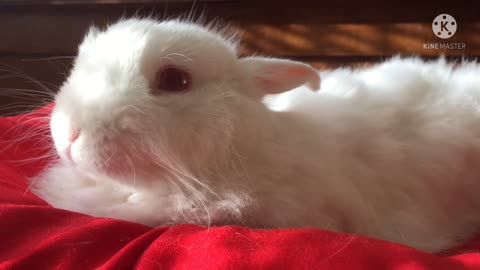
(173,79)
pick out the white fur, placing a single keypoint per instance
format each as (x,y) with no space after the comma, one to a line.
(391,151)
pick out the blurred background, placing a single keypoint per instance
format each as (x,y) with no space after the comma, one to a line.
(39,38)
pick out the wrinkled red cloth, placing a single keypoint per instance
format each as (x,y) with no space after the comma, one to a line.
(34,235)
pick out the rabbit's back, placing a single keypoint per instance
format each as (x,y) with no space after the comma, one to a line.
(397,149)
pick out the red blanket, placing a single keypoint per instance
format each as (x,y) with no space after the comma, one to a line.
(34,235)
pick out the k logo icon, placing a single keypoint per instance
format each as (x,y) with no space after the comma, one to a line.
(444,26)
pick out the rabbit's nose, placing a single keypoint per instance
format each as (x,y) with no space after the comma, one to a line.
(73,136)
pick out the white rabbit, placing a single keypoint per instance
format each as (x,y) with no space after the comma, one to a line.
(162,123)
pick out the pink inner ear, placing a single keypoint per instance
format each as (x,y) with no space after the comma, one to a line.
(298,71)
(266,83)
(312,77)
(293,74)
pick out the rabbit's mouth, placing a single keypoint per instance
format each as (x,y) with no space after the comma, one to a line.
(127,168)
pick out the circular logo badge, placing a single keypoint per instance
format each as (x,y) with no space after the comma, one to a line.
(444,26)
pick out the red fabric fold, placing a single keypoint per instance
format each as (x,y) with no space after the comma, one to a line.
(34,235)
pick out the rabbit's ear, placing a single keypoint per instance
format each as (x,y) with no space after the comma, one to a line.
(273,76)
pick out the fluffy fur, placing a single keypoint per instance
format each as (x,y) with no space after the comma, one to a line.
(390,151)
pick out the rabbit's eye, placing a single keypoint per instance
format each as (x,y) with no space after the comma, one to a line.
(172,79)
